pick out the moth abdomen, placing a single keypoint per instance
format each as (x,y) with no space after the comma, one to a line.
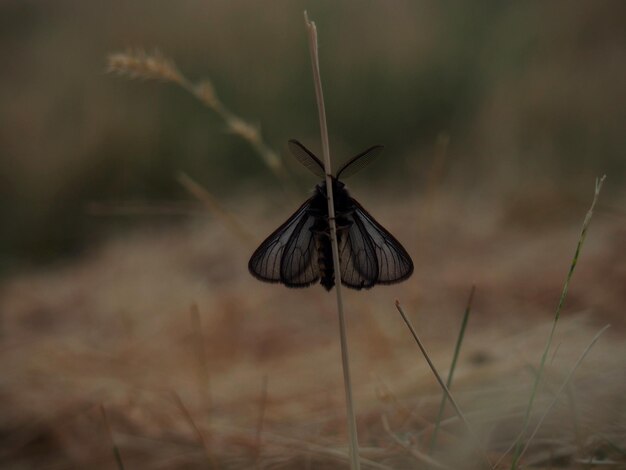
(325,260)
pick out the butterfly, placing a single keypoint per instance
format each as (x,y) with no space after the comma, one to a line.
(299,252)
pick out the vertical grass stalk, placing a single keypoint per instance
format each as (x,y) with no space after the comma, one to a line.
(443,386)
(455,357)
(563,387)
(354,444)
(581,239)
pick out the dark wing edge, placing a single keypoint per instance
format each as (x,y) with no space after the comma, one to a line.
(359,162)
(307,158)
(370,254)
(289,254)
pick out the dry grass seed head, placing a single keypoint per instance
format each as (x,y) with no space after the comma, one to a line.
(137,64)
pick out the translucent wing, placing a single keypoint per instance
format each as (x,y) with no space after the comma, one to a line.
(289,254)
(357,253)
(306,157)
(370,254)
(360,161)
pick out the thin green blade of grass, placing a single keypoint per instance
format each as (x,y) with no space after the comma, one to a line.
(455,357)
(533,393)
(562,388)
(443,386)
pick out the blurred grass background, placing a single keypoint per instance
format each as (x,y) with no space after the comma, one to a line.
(530,95)
(120,291)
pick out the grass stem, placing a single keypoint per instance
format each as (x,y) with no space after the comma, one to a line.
(352,430)
(443,385)
(565,384)
(581,239)
(455,357)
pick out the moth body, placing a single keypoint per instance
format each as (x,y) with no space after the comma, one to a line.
(321,227)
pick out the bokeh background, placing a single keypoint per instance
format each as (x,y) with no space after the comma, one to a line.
(530,95)
(496,118)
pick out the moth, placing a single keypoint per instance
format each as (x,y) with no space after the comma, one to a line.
(299,252)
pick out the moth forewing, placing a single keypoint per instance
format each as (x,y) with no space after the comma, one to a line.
(266,263)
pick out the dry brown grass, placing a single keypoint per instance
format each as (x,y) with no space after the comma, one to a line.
(117,330)
(138,64)
(158,350)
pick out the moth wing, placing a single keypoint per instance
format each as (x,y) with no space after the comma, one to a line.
(289,254)
(357,254)
(357,163)
(370,254)
(307,158)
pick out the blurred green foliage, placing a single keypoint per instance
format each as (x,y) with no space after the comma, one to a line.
(524,90)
